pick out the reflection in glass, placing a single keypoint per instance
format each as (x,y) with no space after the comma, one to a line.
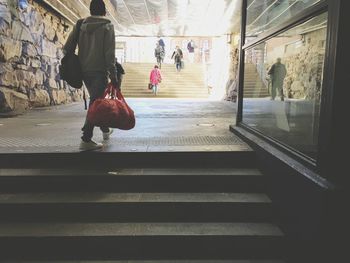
(283,83)
(262,15)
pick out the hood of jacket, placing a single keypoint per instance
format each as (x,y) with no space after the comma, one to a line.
(92,23)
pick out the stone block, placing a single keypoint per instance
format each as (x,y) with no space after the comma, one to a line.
(29,79)
(39,98)
(52,83)
(29,50)
(20,32)
(12,102)
(25,17)
(49,27)
(9,48)
(36,22)
(5,20)
(76,95)
(8,77)
(49,49)
(59,96)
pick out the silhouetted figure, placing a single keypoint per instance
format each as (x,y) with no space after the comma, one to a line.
(277,74)
(190,48)
(177,56)
(120,73)
(159,54)
(162,44)
(96,42)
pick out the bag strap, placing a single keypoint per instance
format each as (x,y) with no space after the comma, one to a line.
(113,92)
(78,27)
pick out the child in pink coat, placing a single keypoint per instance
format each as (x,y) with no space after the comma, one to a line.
(155,78)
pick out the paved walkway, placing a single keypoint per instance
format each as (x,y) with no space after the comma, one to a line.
(161,125)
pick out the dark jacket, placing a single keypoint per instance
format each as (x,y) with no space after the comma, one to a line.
(96,45)
(177,55)
(120,70)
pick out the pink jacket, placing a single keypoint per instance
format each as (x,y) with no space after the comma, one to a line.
(155,76)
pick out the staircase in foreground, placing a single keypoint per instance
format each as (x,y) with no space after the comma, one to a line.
(189,83)
(159,215)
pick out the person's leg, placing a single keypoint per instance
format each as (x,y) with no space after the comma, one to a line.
(120,80)
(280,91)
(156,89)
(273,90)
(96,84)
(191,57)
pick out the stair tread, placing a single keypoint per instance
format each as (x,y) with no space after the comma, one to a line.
(164,261)
(66,198)
(130,172)
(137,229)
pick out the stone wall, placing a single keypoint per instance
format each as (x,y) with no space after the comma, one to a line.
(304,63)
(31,43)
(232,84)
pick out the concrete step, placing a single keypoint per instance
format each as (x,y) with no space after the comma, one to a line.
(161,261)
(173,82)
(175,94)
(239,180)
(164,93)
(135,207)
(165,86)
(186,84)
(253,92)
(83,241)
(256,93)
(167,96)
(166,89)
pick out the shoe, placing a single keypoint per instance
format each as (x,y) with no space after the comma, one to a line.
(90,146)
(106,135)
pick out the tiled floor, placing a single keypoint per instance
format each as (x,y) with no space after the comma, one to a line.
(162,125)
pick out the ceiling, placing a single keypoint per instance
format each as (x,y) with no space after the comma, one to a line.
(161,17)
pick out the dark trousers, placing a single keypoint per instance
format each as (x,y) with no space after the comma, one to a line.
(96,83)
(178,65)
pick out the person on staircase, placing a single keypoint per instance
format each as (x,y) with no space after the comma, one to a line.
(159,54)
(177,56)
(120,73)
(190,48)
(155,78)
(162,44)
(96,41)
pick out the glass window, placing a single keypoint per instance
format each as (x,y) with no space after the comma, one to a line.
(283,84)
(262,15)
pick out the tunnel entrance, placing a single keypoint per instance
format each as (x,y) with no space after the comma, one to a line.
(192,110)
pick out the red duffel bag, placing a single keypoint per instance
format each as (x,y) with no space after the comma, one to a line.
(111,111)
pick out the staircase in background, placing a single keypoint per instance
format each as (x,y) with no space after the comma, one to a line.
(254,87)
(189,83)
(203,213)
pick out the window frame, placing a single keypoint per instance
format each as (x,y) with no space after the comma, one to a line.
(331,7)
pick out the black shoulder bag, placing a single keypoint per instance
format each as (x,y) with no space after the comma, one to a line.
(70,69)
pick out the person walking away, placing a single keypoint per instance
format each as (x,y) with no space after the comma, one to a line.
(177,56)
(277,74)
(155,78)
(190,48)
(159,54)
(120,73)
(96,42)
(162,44)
